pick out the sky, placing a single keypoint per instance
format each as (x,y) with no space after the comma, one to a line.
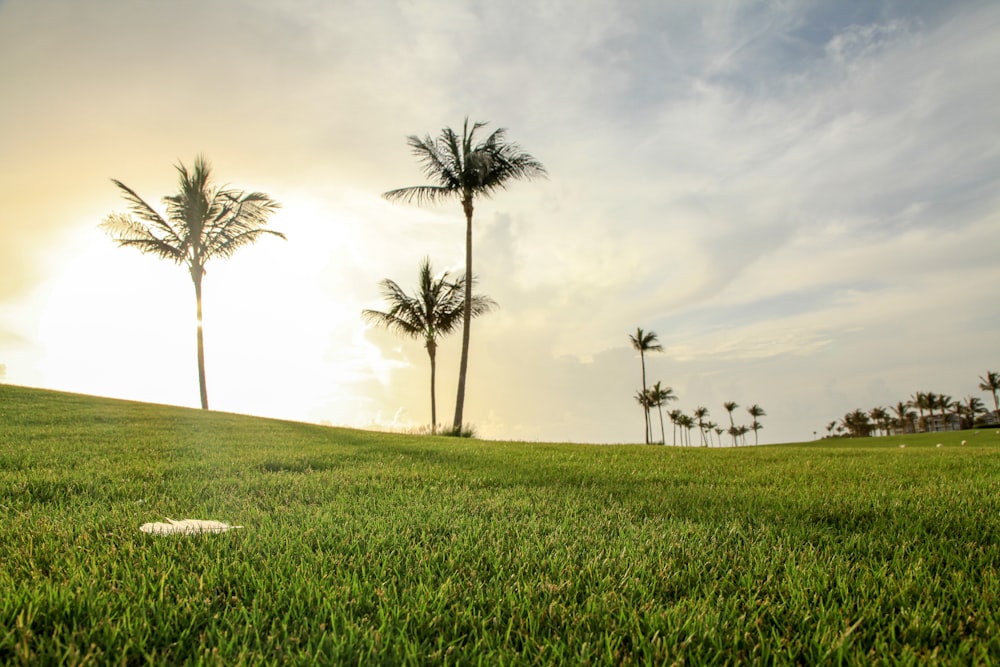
(801,199)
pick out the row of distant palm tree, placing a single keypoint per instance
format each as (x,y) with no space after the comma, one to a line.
(923,411)
(204,221)
(657,396)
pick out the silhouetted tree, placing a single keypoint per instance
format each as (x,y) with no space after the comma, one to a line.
(644,342)
(202,221)
(464,169)
(435,310)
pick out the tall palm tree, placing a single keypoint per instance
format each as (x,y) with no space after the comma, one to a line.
(434,310)
(700,413)
(991,383)
(730,406)
(658,396)
(756,411)
(464,169)
(202,221)
(644,342)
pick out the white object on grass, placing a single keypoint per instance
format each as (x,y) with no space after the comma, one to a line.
(186,527)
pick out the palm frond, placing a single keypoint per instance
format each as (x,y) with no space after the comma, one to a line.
(128,232)
(145,212)
(419,194)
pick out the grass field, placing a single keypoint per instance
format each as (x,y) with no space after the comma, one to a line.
(363,547)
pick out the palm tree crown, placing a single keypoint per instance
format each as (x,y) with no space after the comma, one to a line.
(991,384)
(203,221)
(435,310)
(464,168)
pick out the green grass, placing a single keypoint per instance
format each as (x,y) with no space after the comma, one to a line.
(375,548)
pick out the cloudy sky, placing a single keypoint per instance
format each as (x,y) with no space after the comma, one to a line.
(802,199)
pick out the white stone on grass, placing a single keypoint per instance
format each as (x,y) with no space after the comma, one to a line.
(186,527)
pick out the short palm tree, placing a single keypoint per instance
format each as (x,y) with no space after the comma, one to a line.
(969,410)
(434,310)
(643,342)
(991,383)
(464,169)
(700,413)
(730,406)
(202,221)
(903,417)
(660,395)
(756,412)
(919,400)
(944,404)
(675,418)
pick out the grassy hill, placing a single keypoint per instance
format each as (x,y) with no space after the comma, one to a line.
(378,548)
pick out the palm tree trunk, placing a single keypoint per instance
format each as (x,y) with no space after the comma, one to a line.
(663,436)
(201,342)
(431,350)
(645,408)
(466,316)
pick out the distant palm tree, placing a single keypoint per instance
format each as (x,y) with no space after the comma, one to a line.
(202,221)
(944,404)
(435,310)
(675,418)
(464,169)
(730,406)
(880,416)
(991,383)
(687,422)
(756,412)
(659,395)
(970,409)
(699,414)
(645,342)
(829,428)
(904,417)
(857,424)
(919,400)
(718,434)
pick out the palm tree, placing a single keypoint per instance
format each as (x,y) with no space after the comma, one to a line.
(434,310)
(658,396)
(730,406)
(755,412)
(903,417)
(858,424)
(202,221)
(718,434)
(991,384)
(700,413)
(880,416)
(970,409)
(687,422)
(675,417)
(645,342)
(645,399)
(945,403)
(464,169)
(920,401)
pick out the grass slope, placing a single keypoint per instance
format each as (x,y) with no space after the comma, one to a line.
(374,548)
